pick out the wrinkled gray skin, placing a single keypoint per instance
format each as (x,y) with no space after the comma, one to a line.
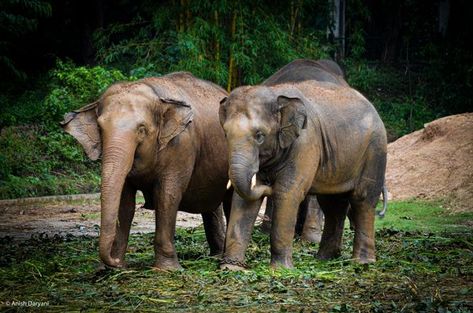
(298,139)
(161,136)
(310,218)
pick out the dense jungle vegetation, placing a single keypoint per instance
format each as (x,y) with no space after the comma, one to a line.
(411,58)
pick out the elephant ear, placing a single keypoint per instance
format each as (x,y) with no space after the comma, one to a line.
(293,119)
(176,116)
(82,124)
(222,111)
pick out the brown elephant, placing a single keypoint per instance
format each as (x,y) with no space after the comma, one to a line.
(296,139)
(161,136)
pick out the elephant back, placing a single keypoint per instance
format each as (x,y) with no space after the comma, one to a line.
(305,69)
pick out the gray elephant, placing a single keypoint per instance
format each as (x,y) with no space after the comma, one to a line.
(296,139)
(310,218)
(161,136)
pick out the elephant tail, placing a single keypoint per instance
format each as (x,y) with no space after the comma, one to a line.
(385,202)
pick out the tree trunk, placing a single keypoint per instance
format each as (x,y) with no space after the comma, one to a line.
(231,65)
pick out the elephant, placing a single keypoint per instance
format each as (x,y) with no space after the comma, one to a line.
(160,135)
(310,218)
(300,138)
(305,69)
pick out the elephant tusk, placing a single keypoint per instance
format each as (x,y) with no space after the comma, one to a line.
(253,181)
(229,184)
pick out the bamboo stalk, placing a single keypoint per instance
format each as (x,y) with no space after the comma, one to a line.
(181,16)
(231,65)
(188,14)
(217,42)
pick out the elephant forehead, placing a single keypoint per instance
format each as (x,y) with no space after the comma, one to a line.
(126,102)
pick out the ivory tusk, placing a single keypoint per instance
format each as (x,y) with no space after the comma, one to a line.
(253,181)
(229,184)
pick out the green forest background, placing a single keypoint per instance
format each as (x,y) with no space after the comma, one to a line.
(57,55)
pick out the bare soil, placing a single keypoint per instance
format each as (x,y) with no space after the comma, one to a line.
(78,217)
(435,162)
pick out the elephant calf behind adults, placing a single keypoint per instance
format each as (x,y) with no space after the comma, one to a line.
(161,136)
(296,139)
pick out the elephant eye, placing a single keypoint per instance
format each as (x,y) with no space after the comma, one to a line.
(259,137)
(142,130)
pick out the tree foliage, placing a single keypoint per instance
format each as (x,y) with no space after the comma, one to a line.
(56,56)
(230,43)
(18,17)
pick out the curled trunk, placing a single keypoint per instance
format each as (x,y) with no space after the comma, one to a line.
(242,173)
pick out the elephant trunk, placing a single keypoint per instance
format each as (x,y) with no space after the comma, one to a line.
(117,161)
(242,173)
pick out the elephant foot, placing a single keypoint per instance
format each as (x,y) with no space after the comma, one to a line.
(167,264)
(232,264)
(102,266)
(115,263)
(364,260)
(216,253)
(232,267)
(313,237)
(364,256)
(328,254)
(283,261)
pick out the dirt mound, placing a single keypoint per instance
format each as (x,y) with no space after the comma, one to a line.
(435,162)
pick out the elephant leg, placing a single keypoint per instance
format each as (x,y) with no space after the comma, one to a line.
(286,207)
(363,216)
(302,216)
(335,211)
(168,199)
(363,202)
(126,213)
(268,215)
(314,221)
(239,229)
(214,230)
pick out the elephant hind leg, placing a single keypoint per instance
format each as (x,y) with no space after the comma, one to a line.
(363,205)
(214,230)
(312,225)
(363,220)
(335,209)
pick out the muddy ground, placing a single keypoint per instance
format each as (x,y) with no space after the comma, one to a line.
(77,216)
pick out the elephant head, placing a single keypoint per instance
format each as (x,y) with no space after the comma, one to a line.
(260,125)
(127,126)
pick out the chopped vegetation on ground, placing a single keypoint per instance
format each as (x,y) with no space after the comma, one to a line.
(424,265)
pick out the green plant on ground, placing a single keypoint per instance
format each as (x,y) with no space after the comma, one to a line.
(418,270)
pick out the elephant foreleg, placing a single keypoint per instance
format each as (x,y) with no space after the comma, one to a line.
(126,213)
(239,229)
(168,199)
(214,230)
(286,206)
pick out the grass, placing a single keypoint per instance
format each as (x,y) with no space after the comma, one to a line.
(424,265)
